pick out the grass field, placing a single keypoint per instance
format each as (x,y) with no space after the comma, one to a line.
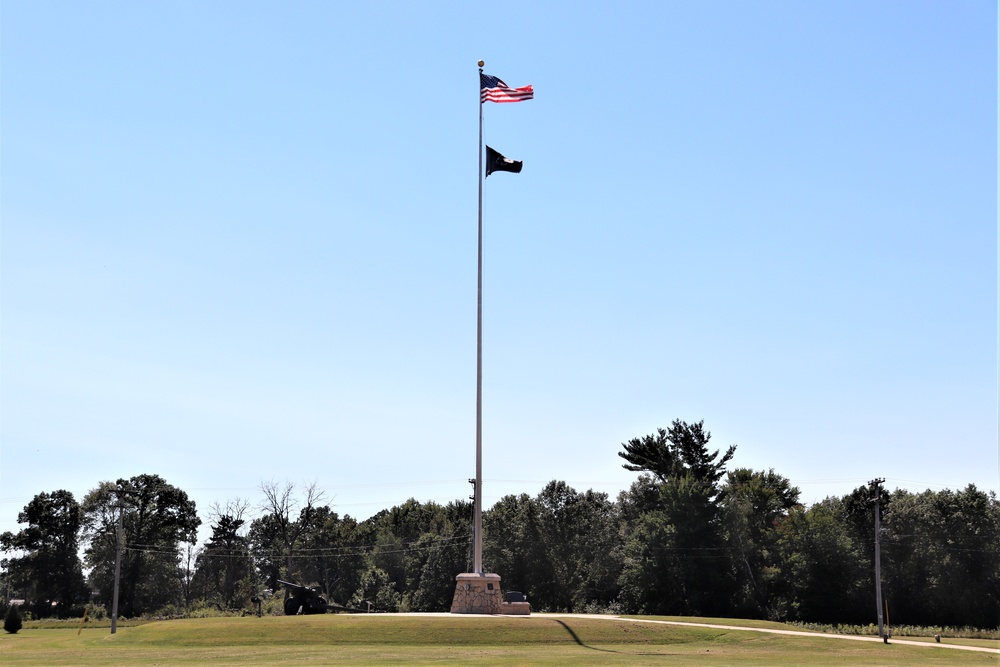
(422,640)
(774,625)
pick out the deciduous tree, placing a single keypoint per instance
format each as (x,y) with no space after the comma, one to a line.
(224,568)
(514,547)
(48,570)
(823,578)
(282,525)
(754,503)
(157,518)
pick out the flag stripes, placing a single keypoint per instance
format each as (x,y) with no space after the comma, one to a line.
(492,89)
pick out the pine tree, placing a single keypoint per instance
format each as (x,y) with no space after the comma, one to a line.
(12,621)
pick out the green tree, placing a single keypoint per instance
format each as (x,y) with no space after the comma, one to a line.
(224,570)
(351,559)
(157,517)
(514,547)
(940,561)
(559,529)
(970,569)
(331,554)
(561,548)
(405,538)
(48,571)
(12,620)
(441,552)
(911,557)
(822,568)
(703,567)
(683,450)
(579,532)
(642,496)
(378,588)
(754,504)
(267,549)
(281,527)
(857,515)
(687,482)
(648,584)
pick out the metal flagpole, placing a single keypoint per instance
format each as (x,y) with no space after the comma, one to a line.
(477,528)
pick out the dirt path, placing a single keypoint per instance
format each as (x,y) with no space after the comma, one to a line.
(794,633)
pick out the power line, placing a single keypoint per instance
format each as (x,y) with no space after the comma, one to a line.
(320,552)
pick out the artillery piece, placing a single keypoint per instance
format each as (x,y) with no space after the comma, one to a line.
(306,600)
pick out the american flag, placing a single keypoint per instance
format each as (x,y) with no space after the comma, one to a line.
(493,89)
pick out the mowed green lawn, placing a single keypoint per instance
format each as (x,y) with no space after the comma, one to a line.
(389,639)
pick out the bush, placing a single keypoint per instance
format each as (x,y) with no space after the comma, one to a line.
(902,630)
(377,587)
(594,607)
(12,621)
(272,605)
(168,612)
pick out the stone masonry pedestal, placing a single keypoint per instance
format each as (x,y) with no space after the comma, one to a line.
(477,593)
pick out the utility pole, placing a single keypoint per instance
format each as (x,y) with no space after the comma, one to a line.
(121,493)
(118,564)
(876,486)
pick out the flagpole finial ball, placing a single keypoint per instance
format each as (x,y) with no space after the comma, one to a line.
(481,63)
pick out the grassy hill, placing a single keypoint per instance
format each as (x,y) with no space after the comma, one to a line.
(426,639)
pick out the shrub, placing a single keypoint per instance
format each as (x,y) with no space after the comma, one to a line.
(272,606)
(594,607)
(902,630)
(12,621)
(377,587)
(168,612)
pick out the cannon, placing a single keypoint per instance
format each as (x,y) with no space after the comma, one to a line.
(307,600)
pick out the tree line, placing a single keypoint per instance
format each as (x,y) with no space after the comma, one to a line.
(688,537)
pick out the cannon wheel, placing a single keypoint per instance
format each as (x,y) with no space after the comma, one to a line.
(292,607)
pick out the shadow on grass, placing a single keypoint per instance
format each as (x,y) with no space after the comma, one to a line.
(594,648)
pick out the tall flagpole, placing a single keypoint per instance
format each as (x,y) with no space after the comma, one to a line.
(478,592)
(477,529)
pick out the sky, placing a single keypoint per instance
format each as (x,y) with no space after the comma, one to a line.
(238,244)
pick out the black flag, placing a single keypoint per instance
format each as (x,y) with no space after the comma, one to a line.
(497,162)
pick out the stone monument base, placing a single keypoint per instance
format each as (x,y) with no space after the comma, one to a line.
(477,593)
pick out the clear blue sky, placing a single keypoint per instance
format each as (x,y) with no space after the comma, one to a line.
(239,244)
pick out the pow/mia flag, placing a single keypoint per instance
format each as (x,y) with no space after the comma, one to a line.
(497,162)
